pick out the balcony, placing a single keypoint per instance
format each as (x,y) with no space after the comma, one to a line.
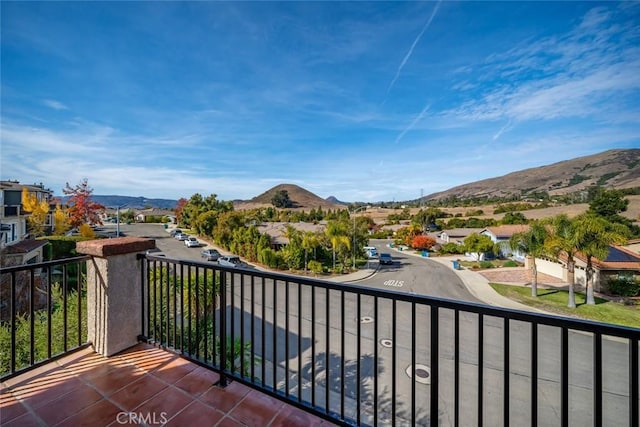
(189,339)
(142,385)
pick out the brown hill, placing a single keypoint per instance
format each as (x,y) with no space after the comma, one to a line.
(301,198)
(611,169)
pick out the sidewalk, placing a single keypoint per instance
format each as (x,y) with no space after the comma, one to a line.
(356,276)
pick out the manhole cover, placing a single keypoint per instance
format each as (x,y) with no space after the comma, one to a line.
(387,343)
(423,373)
(366,319)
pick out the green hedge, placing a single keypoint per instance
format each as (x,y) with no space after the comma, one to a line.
(62,246)
(624,287)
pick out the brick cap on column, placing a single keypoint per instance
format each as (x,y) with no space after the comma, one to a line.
(116,246)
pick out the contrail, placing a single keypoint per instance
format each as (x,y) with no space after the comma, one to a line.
(413,123)
(415,42)
(502,130)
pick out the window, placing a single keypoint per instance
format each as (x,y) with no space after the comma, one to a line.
(625,275)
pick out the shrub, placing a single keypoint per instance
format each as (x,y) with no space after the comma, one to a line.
(315,266)
(40,327)
(86,231)
(270,258)
(423,242)
(452,248)
(624,287)
(486,264)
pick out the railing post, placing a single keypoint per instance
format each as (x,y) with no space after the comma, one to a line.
(223,329)
(114,294)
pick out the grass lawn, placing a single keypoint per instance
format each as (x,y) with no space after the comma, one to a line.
(555,301)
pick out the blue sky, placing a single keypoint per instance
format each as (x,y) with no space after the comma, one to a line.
(363,101)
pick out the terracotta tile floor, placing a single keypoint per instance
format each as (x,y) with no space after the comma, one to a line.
(141,386)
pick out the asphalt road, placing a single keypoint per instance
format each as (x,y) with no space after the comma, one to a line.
(421,276)
(171,247)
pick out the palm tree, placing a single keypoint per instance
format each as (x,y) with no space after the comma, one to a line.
(338,235)
(595,235)
(532,242)
(310,242)
(562,239)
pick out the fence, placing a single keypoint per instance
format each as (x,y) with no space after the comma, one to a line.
(366,356)
(42,313)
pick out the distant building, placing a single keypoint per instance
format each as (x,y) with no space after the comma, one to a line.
(15,245)
(456,235)
(501,234)
(277,231)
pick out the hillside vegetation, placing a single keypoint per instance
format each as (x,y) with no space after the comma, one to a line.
(301,199)
(617,169)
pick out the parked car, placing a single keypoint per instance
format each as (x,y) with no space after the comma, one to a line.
(181,236)
(155,252)
(385,258)
(210,254)
(371,251)
(231,261)
(175,231)
(192,242)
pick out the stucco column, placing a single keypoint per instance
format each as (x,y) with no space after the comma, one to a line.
(114,296)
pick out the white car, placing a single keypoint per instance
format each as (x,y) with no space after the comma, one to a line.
(192,242)
(181,236)
(231,261)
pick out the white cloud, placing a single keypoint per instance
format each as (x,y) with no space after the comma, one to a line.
(56,105)
(584,72)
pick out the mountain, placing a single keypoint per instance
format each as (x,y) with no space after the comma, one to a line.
(610,169)
(131,202)
(300,198)
(335,201)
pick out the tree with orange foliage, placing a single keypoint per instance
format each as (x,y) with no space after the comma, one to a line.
(39,210)
(82,210)
(60,222)
(423,242)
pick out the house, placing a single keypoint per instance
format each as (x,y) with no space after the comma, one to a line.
(278,230)
(143,215)
(501,234)
(457,235)
(15,245)
(633,245)
(395,227)
(620,263)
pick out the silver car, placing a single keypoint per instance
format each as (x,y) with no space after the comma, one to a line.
(210,254)
(231,261)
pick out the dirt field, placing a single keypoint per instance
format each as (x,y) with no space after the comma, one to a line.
(633,211)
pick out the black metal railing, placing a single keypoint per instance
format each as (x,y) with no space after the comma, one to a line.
(366,356)
(43,313)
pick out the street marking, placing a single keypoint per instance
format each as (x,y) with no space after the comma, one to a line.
(394,283)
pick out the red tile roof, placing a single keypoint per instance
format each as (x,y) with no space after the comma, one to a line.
(25,246)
